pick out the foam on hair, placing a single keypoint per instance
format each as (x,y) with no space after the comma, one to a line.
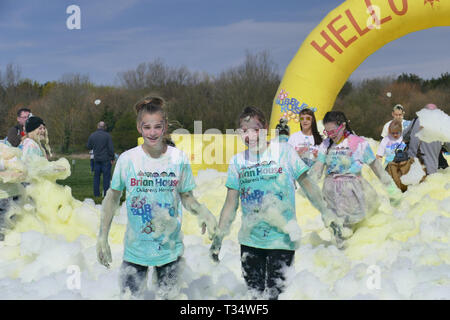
(250,112)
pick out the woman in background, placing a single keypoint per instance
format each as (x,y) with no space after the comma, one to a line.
(35,141)
(307,141)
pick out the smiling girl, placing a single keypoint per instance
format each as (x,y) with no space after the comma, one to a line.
(307,141)
(262,178)
(153,200)
(35,142)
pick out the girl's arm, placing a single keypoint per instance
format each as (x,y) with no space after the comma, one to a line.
(381,151)
(315,172)
(392,189)
(205,217)
(314,195)
(110,205)
(227,216)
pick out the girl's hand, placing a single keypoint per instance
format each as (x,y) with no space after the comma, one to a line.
(315,153)
(103,252)
(214,250)
(203,228)
(301,150)
(395,194)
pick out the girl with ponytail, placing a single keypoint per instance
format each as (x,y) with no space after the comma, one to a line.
(158,181)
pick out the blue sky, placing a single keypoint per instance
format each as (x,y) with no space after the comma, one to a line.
(203,35)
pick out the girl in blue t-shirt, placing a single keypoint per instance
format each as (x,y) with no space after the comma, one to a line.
(158,180)
(262,178)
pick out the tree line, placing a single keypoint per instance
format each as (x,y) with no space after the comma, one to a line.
(68,109)
(368,104)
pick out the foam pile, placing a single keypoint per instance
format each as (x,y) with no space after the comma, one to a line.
(397,253)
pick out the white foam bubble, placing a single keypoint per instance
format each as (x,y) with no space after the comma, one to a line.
(408,245)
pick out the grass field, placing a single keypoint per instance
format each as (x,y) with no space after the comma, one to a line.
(81,179)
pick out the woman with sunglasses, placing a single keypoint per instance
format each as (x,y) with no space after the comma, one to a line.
(307,141)
(349,196)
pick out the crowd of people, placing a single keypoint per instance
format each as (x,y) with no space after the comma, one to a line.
(262,180)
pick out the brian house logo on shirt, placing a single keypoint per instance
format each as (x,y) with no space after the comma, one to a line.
(155,179)
(263,168)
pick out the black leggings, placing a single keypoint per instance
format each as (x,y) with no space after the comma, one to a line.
(263,269)
(133,276)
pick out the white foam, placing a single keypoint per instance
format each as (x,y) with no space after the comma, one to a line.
(408,245)
(435,125)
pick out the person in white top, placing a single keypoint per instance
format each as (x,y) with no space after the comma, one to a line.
(397,113)
(307,141)
(394,141)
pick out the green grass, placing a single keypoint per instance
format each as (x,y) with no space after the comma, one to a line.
(81,180)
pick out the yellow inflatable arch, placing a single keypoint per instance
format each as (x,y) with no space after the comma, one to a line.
(340,43)
(326,59)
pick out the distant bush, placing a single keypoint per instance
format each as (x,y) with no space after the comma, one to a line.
(125,134)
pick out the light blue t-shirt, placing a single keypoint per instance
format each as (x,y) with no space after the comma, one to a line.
(266,184)
(348,157)
(153,236)
(30,149)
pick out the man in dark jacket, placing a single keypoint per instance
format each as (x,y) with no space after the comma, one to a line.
(101,143)
(16,133)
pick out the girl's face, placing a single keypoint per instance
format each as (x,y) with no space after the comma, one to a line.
(41,130)
(152,128)
(334,131)
(252,132)
(396,134)
(306,121)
